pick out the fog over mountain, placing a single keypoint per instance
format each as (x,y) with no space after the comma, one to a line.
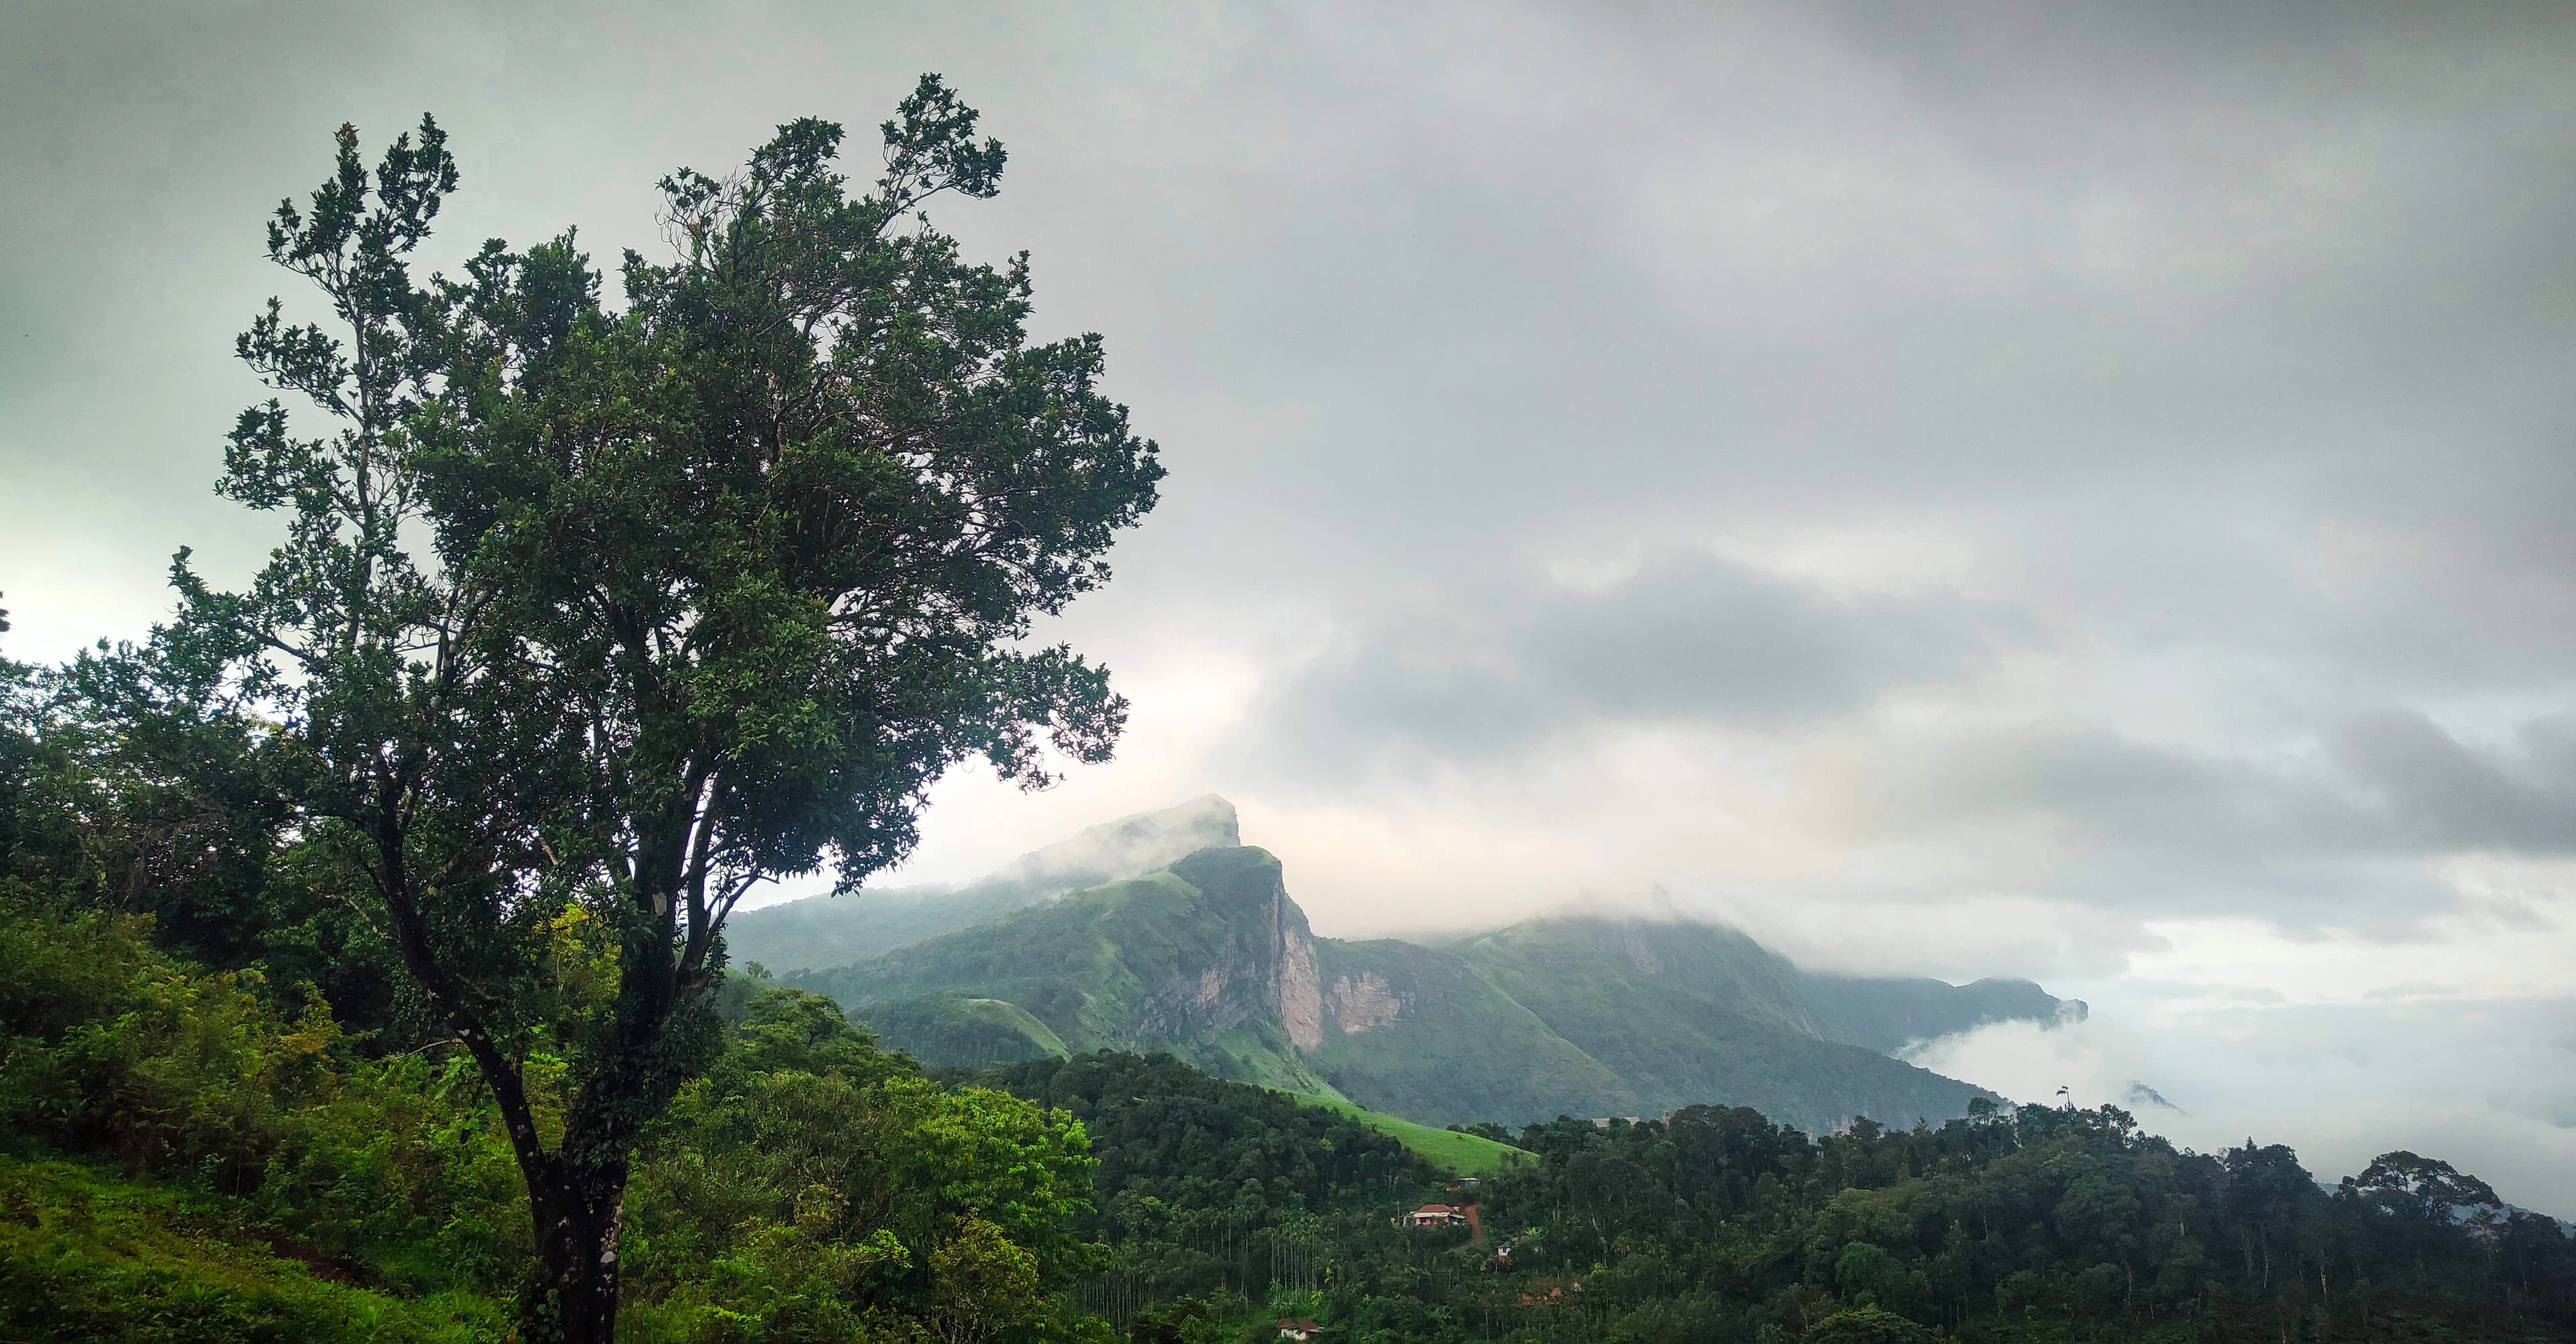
(2069,492)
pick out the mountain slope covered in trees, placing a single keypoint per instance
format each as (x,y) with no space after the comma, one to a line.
(1209,958)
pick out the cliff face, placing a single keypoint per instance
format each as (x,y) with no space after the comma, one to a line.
(1208,959)
(1211,960)
(1254,965)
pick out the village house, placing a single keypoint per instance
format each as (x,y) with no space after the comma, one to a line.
(1299,1329)
(1437,1215)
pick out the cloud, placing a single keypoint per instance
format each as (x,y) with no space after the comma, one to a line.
(2489,1084)
(2441,794)
(1683,639)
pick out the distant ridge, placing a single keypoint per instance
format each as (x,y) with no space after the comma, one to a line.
(1888,1015)
(1208,957)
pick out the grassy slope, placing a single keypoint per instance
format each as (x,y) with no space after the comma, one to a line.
(1462,1050)
(959,1029)
(1447,1149)
(1064,964)
(87,1255)
(822,931)
(1702,1015)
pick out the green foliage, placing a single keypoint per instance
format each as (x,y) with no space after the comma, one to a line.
(813,1187)
(2040,1224)
(811,1183)
(135,781)
(1207,1186)
(115,1049)
(87,1256)
(1866,1325)
(848,1192)
(586,620)
(286,1177)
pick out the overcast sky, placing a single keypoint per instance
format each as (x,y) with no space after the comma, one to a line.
(2069,492)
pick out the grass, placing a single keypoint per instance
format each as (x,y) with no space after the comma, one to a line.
(1011,1017)
(1452,1152)
(85,1254)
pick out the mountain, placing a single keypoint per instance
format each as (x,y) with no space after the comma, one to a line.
(1629,1017)
(1209,958)
(821,931)
(1890,1014)
(1684,1013)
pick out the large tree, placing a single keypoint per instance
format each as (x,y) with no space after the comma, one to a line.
(590,617)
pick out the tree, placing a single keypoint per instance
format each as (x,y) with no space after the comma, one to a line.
(627,610)
(2428,1187)
(1866,1325)
(18,751)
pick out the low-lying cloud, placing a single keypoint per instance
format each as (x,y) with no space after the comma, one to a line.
(2490,1085)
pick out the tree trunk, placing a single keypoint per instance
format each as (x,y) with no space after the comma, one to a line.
(660,1035)
(577,1222)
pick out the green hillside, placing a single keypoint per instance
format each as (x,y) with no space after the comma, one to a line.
(1448,1149)
(1210,960)
(1181,960)
(959,1029)
(1685,1014)
(1455,1048)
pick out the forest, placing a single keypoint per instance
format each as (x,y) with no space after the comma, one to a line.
(200,1153)
(364,926)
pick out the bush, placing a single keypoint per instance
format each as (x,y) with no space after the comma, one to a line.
(110,1048)
(1866,1325)
(86,1256)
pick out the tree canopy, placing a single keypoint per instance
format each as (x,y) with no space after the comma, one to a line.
(624,609)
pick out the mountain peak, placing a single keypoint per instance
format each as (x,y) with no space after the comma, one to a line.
(821,931)
(1138,843)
